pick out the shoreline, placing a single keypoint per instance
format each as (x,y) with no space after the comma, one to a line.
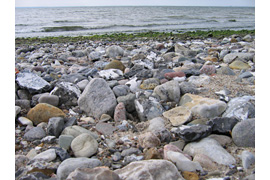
(149,35)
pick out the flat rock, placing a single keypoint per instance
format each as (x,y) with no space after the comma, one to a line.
(203,107)
(241,107)
(84,145)
(150,169)
(97,98)
(36,133)
(225,71)
(210,148)
(169,91)
(32,82)
(178,115)
(77,130)
(48,155)
(243,133)
(199,80)
(70,164)
(96,173)
(43,112)
(105,128)
(25,121)
(237,64)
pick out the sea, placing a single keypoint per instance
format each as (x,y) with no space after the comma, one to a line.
(85,21)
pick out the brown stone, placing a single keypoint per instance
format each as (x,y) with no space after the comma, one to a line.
(152,153)
(43,112)
(148,140)
(211,58)
(208,69)
(172,75)
(190,175)
(115,64)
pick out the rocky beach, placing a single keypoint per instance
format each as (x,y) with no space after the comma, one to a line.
(142,108)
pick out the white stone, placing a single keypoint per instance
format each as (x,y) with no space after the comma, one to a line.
(48,155)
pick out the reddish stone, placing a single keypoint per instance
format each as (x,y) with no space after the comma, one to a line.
(208,69)
(16,71)
(38,68)
(160,46)
(120,112)
(172,75)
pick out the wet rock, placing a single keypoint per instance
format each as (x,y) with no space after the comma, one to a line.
(36,133)
(223,125)
(114,51)
(96,173)
(203,107)
(55,126)
(115,64)
(149,169)
(169,91)
(148,140)
(178,115)
(194,132)
(248,159)
(128,101)
(43,112)
(67,92)
(210,148)
(243,133)
(70,164)
(32,82)
(49,99)
(105,128)
(97,98)
(84,145)
(241,107)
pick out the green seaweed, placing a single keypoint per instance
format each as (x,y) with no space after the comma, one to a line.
(63,28)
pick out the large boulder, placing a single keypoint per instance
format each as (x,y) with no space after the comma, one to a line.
(150,169)
(70,164)
(43,112)
(97,98)
(203,107)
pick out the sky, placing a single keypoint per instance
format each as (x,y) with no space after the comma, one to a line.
(49,3)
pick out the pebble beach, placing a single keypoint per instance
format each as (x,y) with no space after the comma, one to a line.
(168,108)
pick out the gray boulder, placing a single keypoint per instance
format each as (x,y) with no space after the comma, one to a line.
(169,91)
(243,133)
(49,99)
(32,82)
(36,133)
(97,98)
(114,51)
(70,164)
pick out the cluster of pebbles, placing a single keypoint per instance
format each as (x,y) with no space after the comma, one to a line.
(142,109)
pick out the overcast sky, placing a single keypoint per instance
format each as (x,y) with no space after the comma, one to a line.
(41,3)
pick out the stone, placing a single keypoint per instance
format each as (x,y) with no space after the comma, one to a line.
(31,154)
(77,130)
(172,75)
(115,64)
(243,133)
(148,140)
(25,121)
(32,82)
(245,75)
(194,132)
(20,161)
(82,84)
(148,108)
(128,101)
(48,155)
(180,144)
(250,177)
(23,103)
(183,163)
(205,162)
(248,159)
(43,112)
(161,72)
(210,148)
(97,98)
(222,139)
(72,78)
(105,128)
(241,107)
(178,115)
(49,99)
(130,151)
(226,71)
(237,64)
(187,87)
(149,169)
(223,125)
(208,69)
(190,175)
(65,141)
(156,125)
(248,38)
(203,107)
(96,173)
(84,145)
(55,126)
(70,164)
(114,51)
(201,80)
(67,92)
(36,133)
(110,74)
(134,84)
(211,58)
(152,153)
(121,90)
(120,113)
(169,91)
(23,94)
(17,110)
(232,56)
(149,84)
